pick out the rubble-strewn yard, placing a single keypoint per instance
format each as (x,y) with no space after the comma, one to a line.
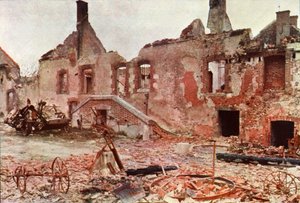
(78,150)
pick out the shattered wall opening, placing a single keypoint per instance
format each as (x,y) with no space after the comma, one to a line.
(281,132)
(229,121)
(145,75)
(121,80)
(274,72)
(62,82)
(10,99)
(87,80)
(72,104)
(217,70)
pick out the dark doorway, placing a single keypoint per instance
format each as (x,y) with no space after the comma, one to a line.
(210,82)
(229,123)
(281,132)
(101,117)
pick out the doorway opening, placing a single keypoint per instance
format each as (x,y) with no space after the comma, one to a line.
(101,117)
(229,121)
(281,132)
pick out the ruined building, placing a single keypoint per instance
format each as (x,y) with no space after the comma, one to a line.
(223,83)
(9,83)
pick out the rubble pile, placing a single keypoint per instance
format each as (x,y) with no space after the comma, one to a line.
(146,176)
(248,148)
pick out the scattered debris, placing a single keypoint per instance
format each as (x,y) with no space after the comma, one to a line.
(29,119)
(199,187)
(129,192)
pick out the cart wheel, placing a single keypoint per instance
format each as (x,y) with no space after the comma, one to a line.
(298,151)
(20,178)
(61,179)
(280,183)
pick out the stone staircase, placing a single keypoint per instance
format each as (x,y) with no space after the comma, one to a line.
(152,124)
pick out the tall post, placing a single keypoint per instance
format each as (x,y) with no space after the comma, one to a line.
(214,161)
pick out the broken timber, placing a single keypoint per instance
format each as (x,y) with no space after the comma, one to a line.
(150,170)
(261,160)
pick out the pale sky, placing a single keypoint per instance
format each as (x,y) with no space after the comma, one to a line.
(30,28)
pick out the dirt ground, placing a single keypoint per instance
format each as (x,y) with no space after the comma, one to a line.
(78,149)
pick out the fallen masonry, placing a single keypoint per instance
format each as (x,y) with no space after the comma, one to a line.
(152,172)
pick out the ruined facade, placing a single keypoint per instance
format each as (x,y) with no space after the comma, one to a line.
(9,83)
(78,68)
(222,83)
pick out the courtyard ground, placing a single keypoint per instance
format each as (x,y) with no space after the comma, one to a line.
(79,148)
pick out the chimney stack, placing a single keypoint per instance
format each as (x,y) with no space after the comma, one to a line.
(82,11)
(218,20)
(283,27)
(82,20)
(294,20)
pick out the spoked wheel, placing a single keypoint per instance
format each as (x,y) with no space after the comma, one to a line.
(280,183)
(20,178)
(61,179)
(298,151)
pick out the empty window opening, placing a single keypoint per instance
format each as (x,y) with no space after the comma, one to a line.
(217,69)
(101,117)
(87,81)
(294,55)
(281,132)
(274,72)
(121,80)
(1,79)
(10,101)
(72,106)
(62,82)
(145,76)
(229,122)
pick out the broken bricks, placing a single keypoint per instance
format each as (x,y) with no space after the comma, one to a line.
(198,187)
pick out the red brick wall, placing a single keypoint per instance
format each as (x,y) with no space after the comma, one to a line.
(274,72)
(114,109)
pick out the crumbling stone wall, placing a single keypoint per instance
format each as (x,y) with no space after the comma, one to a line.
(188,81)
(178,94)
(29,90)
(9,83)
(77,64)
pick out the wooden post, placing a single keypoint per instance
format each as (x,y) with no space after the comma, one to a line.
(214,160)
